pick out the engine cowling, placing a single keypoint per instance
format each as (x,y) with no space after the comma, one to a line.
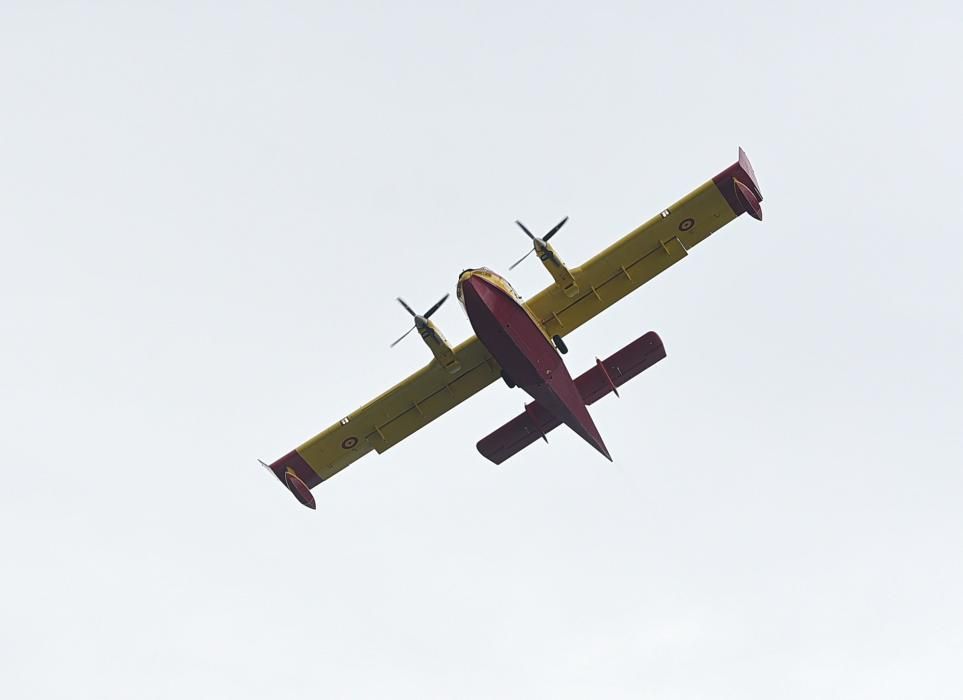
(439,347)
(556,268)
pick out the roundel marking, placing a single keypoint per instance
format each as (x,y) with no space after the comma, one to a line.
(349,442)
(686,224)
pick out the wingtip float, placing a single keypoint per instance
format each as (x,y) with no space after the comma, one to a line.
(521,341)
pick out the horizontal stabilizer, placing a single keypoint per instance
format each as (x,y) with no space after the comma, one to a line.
(536,421)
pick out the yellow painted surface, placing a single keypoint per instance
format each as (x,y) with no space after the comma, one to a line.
(400,411)
(440,348)
(433,390)
(558,270)
(633,260)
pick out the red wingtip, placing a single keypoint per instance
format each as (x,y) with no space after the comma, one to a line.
(300,490)
(748,199)
(747,169)
(739,186)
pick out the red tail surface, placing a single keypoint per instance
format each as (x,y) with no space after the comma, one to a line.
(539,419)
(561,397)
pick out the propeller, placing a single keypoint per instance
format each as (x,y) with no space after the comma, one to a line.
(420,321)
(538,243)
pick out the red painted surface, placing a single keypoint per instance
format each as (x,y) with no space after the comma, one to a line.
(294,462)
(748,198)
(536,421)
(527,356)
(726,182)
(299,489)
(604,373)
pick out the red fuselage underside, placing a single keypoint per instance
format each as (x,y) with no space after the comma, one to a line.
(526,356)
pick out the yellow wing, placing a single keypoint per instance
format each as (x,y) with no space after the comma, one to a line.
(603,280)
(393,416)
(648,250)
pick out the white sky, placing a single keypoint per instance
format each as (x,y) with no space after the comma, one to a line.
(207,211)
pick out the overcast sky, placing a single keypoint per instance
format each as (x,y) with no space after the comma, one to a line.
(207,210)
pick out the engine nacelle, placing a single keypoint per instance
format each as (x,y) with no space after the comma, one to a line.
(556,268)
(439,347)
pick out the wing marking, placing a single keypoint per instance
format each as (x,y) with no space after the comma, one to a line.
(653,247)
(394,415)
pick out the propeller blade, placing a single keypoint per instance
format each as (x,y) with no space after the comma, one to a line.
(522,227)
(555,229)
(403,337)
(407,308)
(522,258)
(437,305)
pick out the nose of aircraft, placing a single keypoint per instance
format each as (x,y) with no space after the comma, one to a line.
(473,290)
(467,286)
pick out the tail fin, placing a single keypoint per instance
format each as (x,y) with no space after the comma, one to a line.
(537,420)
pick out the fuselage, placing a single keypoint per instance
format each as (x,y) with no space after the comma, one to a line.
(506,327)
(521,347)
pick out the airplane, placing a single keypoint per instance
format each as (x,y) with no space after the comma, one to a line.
(522,342)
